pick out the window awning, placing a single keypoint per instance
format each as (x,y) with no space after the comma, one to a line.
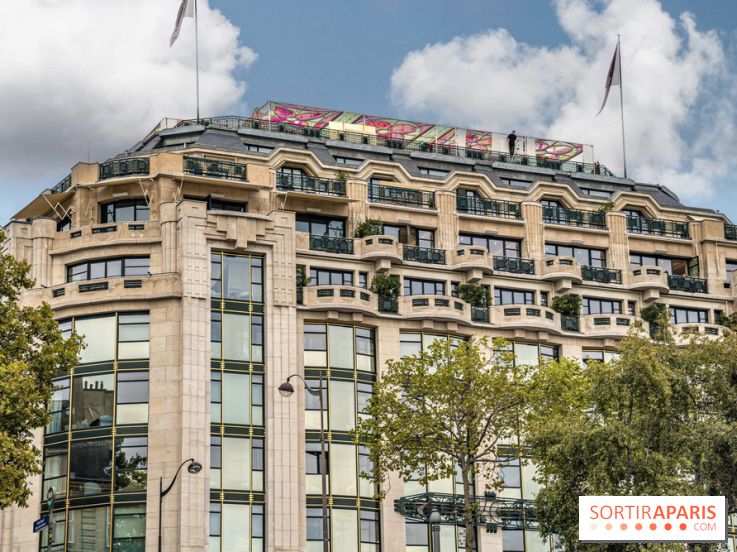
(43,204)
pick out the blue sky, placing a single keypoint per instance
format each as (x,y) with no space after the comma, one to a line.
(536,66)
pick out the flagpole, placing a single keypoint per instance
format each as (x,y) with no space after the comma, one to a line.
(197,61)
(621,107)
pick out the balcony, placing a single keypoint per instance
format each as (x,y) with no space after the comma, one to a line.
(730,232)
(310,185)
(574,217)
(473,260)
(606,325)
(426,255)
(390,306)
(688,284)
(407,197)
(513,265)
(601,274)
(525,317)
(683,333)
(124,167)
(480,314)
(63,185)
(564,271)
(214,168)
(339,298)
(657,227)
(380,248)
(488,207)
(331,244)
(570,323)
(651,280)
(434,307)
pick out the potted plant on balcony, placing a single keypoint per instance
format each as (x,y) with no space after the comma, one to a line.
(569,307)
(657,316)
(368,227)
(386,287)
(302,281)
(478,297)
(608,206)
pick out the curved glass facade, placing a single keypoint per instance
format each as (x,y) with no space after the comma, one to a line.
(96,444)
(345,357)
(237,403)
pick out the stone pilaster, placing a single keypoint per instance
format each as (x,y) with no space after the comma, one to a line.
(357,190)
(446,236)
(534,243)
(618,254)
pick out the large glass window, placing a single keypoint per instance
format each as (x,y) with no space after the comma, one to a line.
(236,527)
(237,277)
(503,296)
(125,210)
(329,277)
(595,305)
(683,315)
(499,247)
(671,265)
(237,336)
(108,268)
(320,226)
(416,286)
(584,255)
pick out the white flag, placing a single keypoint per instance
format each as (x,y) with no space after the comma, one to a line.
(186,9)
(613,77)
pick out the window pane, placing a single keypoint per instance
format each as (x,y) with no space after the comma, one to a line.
(236,278)
(92,401)
(341,347)
(236,534)
(236,463)
(342,406)
(236,336)
(343,470)
(90,467)
(99,336)
(345,530)
(236,398)
(89,529)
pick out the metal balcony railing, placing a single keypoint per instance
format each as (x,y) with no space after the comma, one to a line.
(310,184)
(488,207)
(124,167)
(479,314)
(214,168)
(690,284)
(236,123)
(601,274)
(380,193)
(574,217)
(331,244)
(388,304)
(427,255)
(657,227)
(730,232)
(63,185)
(513,265)
(570,323)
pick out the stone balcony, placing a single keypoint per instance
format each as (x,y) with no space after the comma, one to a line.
(382,250)
(106,235)
(434,307)
(475,261)
(564,271)
(683,333)
(606,325)
(339,298)
(525,316)
(651,280)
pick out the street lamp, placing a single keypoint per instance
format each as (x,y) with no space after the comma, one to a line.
(433,519)
(193,468)
(286,389)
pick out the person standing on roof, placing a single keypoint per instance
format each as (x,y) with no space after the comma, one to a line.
(512,139)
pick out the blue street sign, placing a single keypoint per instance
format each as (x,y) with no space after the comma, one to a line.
(40,523)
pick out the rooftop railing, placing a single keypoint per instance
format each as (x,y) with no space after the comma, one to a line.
(380,193)
(124,167)
(657,227)
(331,244)
(63,185)
(730,232)
(488,207)
(574,217)
(689,284)
(310,184)
(214,168)
(426,255)
(236,123)
(513,264)
(601,274)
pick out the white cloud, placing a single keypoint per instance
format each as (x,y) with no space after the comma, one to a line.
(672,71)
(75,72)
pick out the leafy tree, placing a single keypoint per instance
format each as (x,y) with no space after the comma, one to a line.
(568,304)
(443,412)
(369,227)
(386,286)
(32,352)
(660,420)
(476,295)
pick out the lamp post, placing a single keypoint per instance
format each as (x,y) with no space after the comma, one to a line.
(194,467)
(286,389)
(434,521)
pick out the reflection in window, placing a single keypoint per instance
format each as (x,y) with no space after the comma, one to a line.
(91,467)
(236,463)
(125,210)
(108,268)
(237,277)
(236,527)
(237,336)
(131,455)
(499,247)
(513,297)
(92,401)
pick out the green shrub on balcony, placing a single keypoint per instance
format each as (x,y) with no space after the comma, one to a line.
(386,286)
(567,305)
(368,227)
(657,316)
(475,295)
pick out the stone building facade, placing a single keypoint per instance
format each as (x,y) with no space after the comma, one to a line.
(179,262)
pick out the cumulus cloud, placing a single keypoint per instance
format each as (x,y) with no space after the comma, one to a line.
(84,72)
(673,73)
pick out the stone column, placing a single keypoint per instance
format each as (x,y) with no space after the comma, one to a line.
(42,235)
(357,190)
(534,245)
(447,232)
(618,255)
(168,220)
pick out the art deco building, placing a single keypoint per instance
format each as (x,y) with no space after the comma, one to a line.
(180,261)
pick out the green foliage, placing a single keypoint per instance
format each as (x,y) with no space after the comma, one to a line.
(32,352)
(660,420)
(368,227)
(728,320)
(657,316)
(443,410)
(567,305)
(342,177)
(475,295)
(608,206)
(386,286)
(302,279)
